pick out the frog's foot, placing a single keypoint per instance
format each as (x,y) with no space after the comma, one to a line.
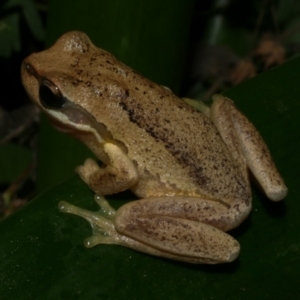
(101,221)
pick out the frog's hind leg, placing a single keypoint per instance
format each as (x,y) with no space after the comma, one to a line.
(153,226)
(182,228)
(104,230)
(247,146)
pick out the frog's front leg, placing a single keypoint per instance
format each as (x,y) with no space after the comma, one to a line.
(187,229)
(119,175)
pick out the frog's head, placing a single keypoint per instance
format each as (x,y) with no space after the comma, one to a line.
(73,82)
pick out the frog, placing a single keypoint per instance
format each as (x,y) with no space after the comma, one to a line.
(189,168)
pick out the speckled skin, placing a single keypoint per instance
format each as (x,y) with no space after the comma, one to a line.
(155,144)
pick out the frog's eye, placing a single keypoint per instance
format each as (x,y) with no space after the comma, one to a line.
(50,95)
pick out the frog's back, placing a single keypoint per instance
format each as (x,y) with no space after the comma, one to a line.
(183,147)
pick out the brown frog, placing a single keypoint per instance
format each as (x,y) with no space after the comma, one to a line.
(189,168)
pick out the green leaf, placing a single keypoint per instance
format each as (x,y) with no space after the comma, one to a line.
(42,254)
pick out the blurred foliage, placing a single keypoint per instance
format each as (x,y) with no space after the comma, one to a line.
(12,12)
(21,32)
(232,41)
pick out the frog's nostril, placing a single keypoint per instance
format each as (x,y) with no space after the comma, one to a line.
(30,69)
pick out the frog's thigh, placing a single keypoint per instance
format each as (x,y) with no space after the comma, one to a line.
(245,143)
(175,226)
(119,175)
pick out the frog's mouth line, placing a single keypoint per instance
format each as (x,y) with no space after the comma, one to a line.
(71,118)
